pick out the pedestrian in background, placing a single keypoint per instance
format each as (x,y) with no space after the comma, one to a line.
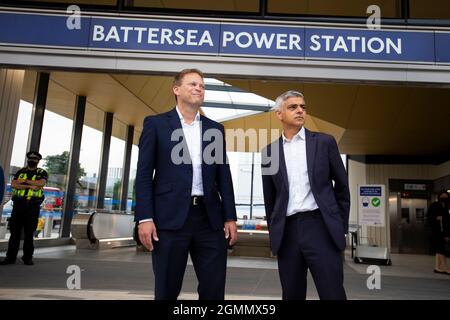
(438,217)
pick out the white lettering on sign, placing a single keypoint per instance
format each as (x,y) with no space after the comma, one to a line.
(415,186)
(279,41)
(355,44)
(98,34)
(125,30)
(112,35)
(152,34)
(189,37)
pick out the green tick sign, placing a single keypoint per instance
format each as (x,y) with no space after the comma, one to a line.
(376,202)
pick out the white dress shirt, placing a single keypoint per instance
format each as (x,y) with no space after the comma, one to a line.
(193,135)
(301,197)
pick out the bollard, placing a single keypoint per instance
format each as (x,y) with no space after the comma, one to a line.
(48,226)
(3,227)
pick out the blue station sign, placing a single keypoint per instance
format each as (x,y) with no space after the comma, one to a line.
(224,38)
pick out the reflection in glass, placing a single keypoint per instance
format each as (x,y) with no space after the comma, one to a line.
(249,203)
(436,9)
(55,146)
(223,5)
(20,138)
(71,2)
(115,166)
(17,159)
(91,143)
(343,8)
(131,199)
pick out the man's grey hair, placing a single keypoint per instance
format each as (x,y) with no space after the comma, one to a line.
(284,96)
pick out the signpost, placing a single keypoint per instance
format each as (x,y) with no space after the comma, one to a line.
(372,213)
(371,205)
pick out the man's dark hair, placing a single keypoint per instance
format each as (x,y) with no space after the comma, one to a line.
(180,75)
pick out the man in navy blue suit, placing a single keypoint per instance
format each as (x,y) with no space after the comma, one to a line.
(307,214)
(184,194)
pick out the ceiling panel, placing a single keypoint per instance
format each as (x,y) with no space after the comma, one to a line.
(330,102)
(377,107)
(364,119)
(371,119)
(134,83)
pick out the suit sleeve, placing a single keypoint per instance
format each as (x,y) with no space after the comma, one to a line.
(340,178)
(144,173)
(225,184)
(269,190)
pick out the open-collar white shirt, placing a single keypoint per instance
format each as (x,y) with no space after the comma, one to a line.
(193,135)
(301,197)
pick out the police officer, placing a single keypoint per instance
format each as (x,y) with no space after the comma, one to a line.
(27,196)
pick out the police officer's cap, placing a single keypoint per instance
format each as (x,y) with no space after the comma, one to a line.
(34,154)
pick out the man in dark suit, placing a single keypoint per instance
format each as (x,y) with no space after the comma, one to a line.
(306,214)
(184,194)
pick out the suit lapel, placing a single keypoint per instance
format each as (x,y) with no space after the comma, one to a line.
(310,152)
(203,127)
(282,168)
(174,119)
(175,123)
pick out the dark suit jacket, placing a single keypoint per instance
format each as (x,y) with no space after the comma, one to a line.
(324,165)
(163,189)
(2,185)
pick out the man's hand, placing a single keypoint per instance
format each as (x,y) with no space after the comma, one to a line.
(231,231)
(147,233)
(22,181)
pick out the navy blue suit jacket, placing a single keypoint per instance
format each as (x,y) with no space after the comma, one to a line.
(324,166)
(163,188)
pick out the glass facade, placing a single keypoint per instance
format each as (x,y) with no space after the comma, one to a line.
(131,197)
(91,142)
(115,166)
(245,170)
(55,149)
(205,5)
(20,138)
(390,9)
(434,9)
(73,2)
(18,156)
(345,8)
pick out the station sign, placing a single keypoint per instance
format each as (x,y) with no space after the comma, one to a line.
(219,38)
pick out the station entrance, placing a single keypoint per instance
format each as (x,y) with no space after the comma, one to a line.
(388,117)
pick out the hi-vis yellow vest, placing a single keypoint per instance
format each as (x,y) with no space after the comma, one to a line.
(28,194)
